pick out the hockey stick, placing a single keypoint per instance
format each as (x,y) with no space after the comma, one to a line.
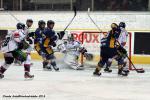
(10,14)
(137,70)
(88,13)
(13,16)
(75,13)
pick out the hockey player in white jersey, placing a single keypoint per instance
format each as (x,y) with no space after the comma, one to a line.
(72,50)
(12,49)
(28,50)
(123,40)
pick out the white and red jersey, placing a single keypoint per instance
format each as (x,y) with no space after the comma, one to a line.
(12,39)
(123,37)
(26,30)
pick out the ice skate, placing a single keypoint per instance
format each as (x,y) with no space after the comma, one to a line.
(108,70)
(28,76)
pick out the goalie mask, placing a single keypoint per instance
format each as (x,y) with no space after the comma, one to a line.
(70,37)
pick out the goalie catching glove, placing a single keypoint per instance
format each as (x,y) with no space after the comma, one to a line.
(88,56)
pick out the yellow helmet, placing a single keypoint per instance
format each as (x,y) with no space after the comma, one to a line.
(114,26)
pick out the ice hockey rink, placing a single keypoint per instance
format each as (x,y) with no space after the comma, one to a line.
(68,84)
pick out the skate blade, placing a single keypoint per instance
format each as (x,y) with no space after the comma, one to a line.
(47,69)
(28,79)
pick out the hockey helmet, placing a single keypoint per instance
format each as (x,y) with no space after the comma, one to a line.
(29,20)
(20,26)
(41,24)
(49,22)
(114,26)
(122,24)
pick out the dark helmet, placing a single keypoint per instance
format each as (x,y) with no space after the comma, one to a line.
(41,22)
(49,22)
(122,24)
(29,20)
(20,26)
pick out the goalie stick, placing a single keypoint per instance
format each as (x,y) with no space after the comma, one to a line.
(137,70)
(75,13)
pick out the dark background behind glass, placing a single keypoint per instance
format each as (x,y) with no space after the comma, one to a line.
(82,5)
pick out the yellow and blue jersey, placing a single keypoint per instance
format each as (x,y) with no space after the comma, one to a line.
(110,40)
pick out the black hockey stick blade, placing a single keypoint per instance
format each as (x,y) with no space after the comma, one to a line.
(140,70)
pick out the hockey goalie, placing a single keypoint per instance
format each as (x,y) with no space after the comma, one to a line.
(72,50)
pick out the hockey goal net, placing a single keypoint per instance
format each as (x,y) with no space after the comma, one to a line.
(91,41)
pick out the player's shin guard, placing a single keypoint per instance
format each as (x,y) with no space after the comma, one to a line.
(27,71)
(53,63)
(108,64)
(120,71)
(3,68)
(97,70)
(125,68)
(46,66)
(45,63)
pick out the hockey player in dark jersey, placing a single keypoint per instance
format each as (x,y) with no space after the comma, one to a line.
(108,49)
(45,40)
(121,52)
(49,43)
(39,38)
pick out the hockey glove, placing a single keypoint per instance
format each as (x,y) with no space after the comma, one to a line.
(53,44)
(121,50)
(61,34)
(29,40)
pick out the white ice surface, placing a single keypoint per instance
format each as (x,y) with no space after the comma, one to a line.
(74,85)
